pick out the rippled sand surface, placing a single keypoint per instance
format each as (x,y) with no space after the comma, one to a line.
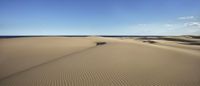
(77,61)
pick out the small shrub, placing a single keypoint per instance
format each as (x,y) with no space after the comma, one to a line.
(100,43)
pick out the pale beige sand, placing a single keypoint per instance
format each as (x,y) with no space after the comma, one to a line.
(21,53)
(177,45)
(42,62)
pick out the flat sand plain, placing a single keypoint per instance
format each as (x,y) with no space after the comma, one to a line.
(77,61)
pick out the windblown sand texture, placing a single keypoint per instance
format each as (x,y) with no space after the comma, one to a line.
(77,61)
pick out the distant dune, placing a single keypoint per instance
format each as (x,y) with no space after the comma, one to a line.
(115,61)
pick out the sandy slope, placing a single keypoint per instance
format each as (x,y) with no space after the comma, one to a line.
(118,63)
(177,45)
(21,53)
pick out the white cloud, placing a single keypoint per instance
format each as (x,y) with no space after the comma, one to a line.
(168,25)
(187,28)
(192,24)
(142,24)
(186,18)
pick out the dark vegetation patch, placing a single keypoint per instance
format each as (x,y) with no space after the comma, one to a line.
(100,43)
(190,43)
(195,37)
(177,39)
(149,41)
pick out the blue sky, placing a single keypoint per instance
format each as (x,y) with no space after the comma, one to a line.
(99,17)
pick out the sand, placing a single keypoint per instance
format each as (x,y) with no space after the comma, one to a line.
(177,44)
(77,61)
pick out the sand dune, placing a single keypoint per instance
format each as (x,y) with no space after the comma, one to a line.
(178,45)
(21,53)
(65,61)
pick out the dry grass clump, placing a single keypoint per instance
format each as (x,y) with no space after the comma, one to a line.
(100,43)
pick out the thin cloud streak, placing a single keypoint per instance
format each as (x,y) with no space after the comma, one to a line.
(186,18)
